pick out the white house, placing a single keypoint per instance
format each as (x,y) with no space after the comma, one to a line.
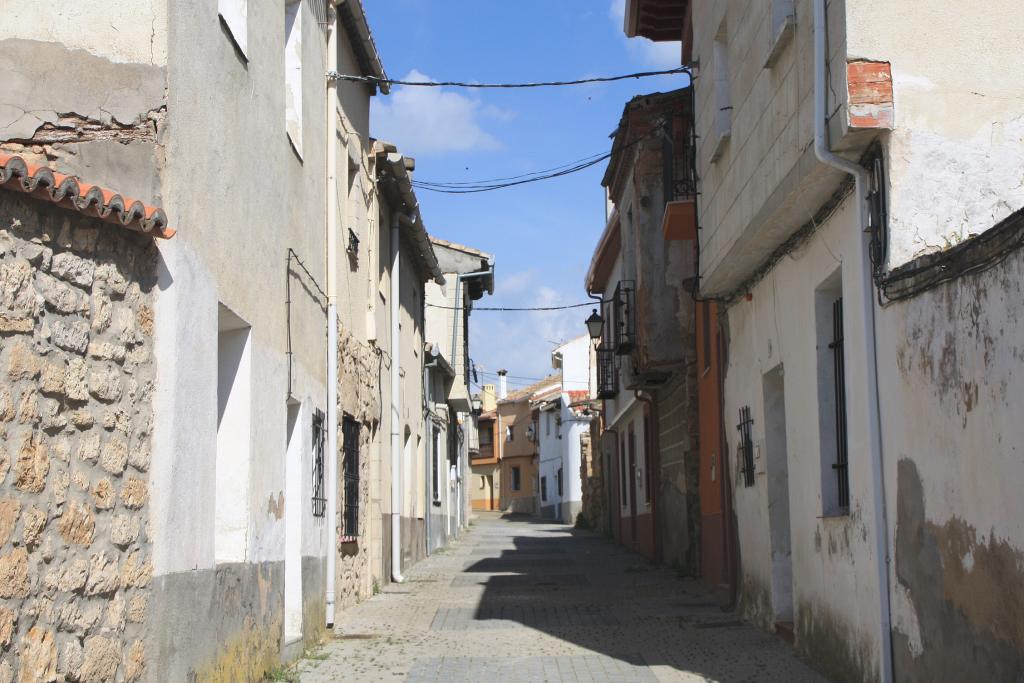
(563,417)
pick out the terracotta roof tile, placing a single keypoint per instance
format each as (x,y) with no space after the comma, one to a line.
(91,200)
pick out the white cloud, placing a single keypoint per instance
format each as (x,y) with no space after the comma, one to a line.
(424,120)
(641,50)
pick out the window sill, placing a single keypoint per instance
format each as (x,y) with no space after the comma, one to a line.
(719,148)
(837,514)
(780,41)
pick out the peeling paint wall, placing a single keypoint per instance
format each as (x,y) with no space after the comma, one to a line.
(954,488)
(832,556)
(959,134)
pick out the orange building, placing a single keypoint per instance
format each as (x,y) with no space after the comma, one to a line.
(485,487)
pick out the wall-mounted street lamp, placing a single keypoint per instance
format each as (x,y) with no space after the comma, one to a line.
(595,325)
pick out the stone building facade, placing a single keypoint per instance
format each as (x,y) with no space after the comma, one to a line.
(860,218)
(646,372)
(76,420)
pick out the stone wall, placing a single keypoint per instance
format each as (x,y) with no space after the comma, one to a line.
(591,480)
(360,376)
(76,383)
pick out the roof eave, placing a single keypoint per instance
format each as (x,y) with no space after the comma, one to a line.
(354,21)
(402,181)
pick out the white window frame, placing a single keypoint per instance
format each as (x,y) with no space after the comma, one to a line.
(293,16)
(781,22)
(234,14)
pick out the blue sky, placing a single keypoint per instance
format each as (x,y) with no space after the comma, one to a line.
(541,234)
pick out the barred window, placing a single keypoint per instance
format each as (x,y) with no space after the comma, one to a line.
(350,465)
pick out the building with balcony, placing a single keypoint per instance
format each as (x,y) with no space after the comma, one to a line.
(860,214)
(644,268)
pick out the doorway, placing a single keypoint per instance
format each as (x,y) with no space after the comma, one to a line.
(293,470)
(777,466)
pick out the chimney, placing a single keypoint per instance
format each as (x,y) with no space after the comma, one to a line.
(502,385)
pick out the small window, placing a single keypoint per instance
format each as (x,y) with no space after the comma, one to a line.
(435,458)
(782,19)
(293,73)
(560,494)
(835,482)
(486,436)
(350,449)
(547,424)
(746,447)
(878,218)
(516,479)
(510,433)
(234,14)
(723,102)
(544,489)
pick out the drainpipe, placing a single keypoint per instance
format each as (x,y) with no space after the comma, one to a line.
(396,436)
(825,155)
(332,310)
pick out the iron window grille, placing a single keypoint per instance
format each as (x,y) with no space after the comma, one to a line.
(516,479)
(350,450)
(435,457)
(842,454)
(746,446)
(877,213)
(679,161)
(624,316)
(607,382)
(319,500)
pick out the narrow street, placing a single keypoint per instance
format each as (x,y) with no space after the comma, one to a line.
(519,600)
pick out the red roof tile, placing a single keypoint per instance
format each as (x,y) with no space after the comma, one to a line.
(90,200)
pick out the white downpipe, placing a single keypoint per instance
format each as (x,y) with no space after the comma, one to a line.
(332,311)
(825,155)
(396,428)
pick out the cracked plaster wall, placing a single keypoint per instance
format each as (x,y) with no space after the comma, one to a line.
(959,135)
(951,409)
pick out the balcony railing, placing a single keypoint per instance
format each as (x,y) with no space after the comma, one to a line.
(624,317)
(607,379)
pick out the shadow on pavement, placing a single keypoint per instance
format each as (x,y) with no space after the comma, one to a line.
(583,589)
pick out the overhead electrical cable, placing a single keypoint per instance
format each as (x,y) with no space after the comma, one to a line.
(516,309)
(470,187)
(374,80)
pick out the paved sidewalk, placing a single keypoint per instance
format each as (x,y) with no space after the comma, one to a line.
(518,600)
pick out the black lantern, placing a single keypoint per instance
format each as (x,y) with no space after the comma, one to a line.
(595,325)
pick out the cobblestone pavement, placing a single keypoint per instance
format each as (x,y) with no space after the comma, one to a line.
(518,600)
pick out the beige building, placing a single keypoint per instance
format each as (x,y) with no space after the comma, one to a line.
(452,435)
(860,209)
(212,481)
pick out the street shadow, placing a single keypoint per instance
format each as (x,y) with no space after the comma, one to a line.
(584,589)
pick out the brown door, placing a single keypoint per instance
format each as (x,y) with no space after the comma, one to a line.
(714,471)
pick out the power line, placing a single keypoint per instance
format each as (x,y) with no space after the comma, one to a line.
(443,188)
(470,187)
(514,309)
(476,183)
(374,80)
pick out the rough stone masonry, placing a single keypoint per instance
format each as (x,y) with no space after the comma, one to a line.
(76,387)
